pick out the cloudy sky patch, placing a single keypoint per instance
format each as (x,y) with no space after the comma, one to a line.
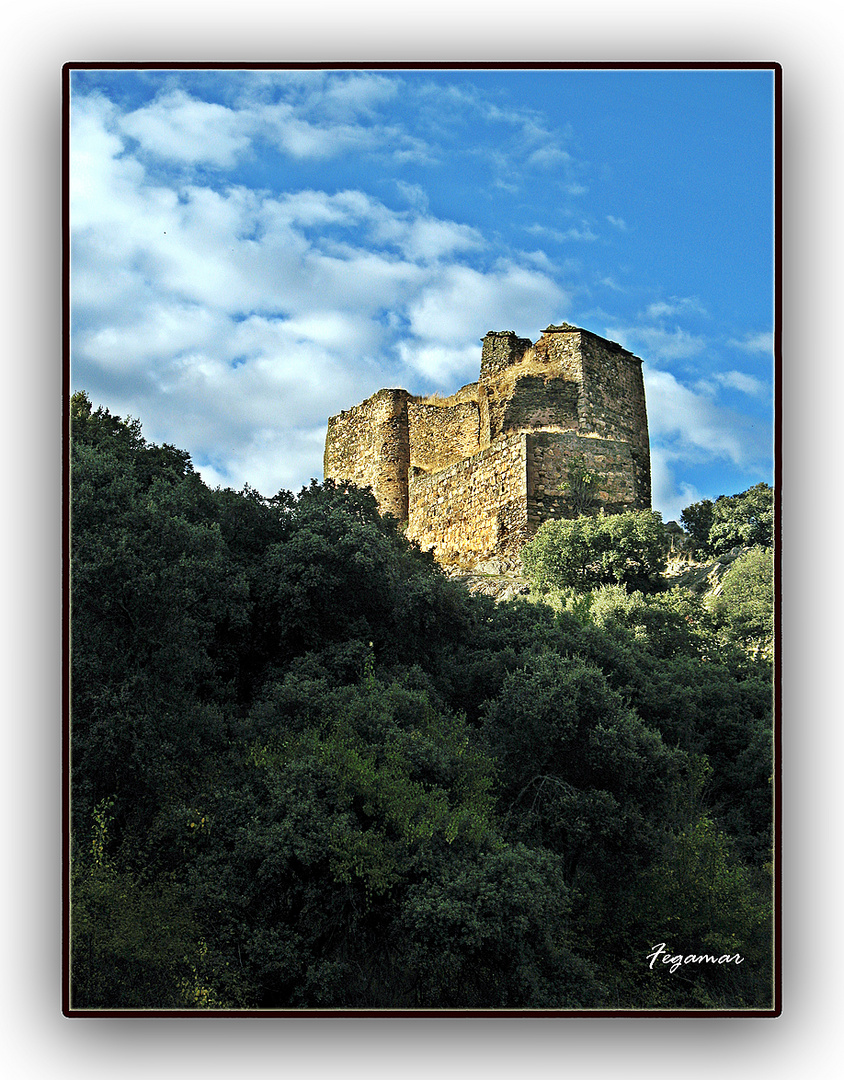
(253,251)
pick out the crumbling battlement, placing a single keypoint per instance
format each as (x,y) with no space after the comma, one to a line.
(475,474)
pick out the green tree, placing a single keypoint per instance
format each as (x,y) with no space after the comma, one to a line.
(586,552)
(322,774)
(743,520)
(697,521)
(355,862)
(745,605)
(580,773)
(699,899)
(135,943)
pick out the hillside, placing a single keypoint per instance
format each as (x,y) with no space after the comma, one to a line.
(309,771)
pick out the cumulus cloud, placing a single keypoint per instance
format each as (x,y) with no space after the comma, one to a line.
(458,299)
(669,496)
(441,364)
(658,343)
(180,128)
(235,321)
(328,116)
(357,93)
(675,305)
(691,425)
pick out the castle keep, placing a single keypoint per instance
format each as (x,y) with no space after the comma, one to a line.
(475,474)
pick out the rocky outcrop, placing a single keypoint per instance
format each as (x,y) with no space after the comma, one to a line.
(703,578)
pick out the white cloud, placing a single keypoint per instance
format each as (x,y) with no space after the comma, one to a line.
(689,425)
(583,232)
(737,380)
(549,157)
(234,322)
(667,496)
(658,343)
(414,194)
(760,343)
(460,299)
(357,93)
(180,128)
(675,305)
(443,365)
(282,126)
(618,223)
(319,118)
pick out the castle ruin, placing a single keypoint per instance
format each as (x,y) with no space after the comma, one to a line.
(475,474)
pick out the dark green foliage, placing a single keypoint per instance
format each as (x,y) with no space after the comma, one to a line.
(743,520)
(697,521)
(496,929)
(580,773)
(136,943)
(310,771)
(586,552)
(700,899)
(745,605)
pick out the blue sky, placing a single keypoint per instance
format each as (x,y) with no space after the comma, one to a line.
(253,251)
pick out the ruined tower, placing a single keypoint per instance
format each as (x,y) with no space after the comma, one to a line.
(475,474)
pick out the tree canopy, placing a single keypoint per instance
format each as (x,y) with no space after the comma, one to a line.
(589,551)
(309,771)
(743,520)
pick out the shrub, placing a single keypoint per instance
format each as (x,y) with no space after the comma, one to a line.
(745,607)
(586,552)
(742,520)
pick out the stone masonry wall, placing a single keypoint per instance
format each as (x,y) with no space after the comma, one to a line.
(442,434)
(476,473)
(549,456)
(613,404)
(369,445)
(501,353)
(538,401)
(475,507)
(611,400)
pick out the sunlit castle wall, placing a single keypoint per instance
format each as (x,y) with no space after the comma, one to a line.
(369,445)
(475,474)
(611,394)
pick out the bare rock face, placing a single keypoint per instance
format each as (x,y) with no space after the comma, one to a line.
(474,475)
(703,578)
(499,586)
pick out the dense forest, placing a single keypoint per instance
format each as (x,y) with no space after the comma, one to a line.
(309,771)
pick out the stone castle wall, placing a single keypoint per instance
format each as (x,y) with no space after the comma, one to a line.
(549,456)
(476,474)
(370,446)
(475,506)
(442,434)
